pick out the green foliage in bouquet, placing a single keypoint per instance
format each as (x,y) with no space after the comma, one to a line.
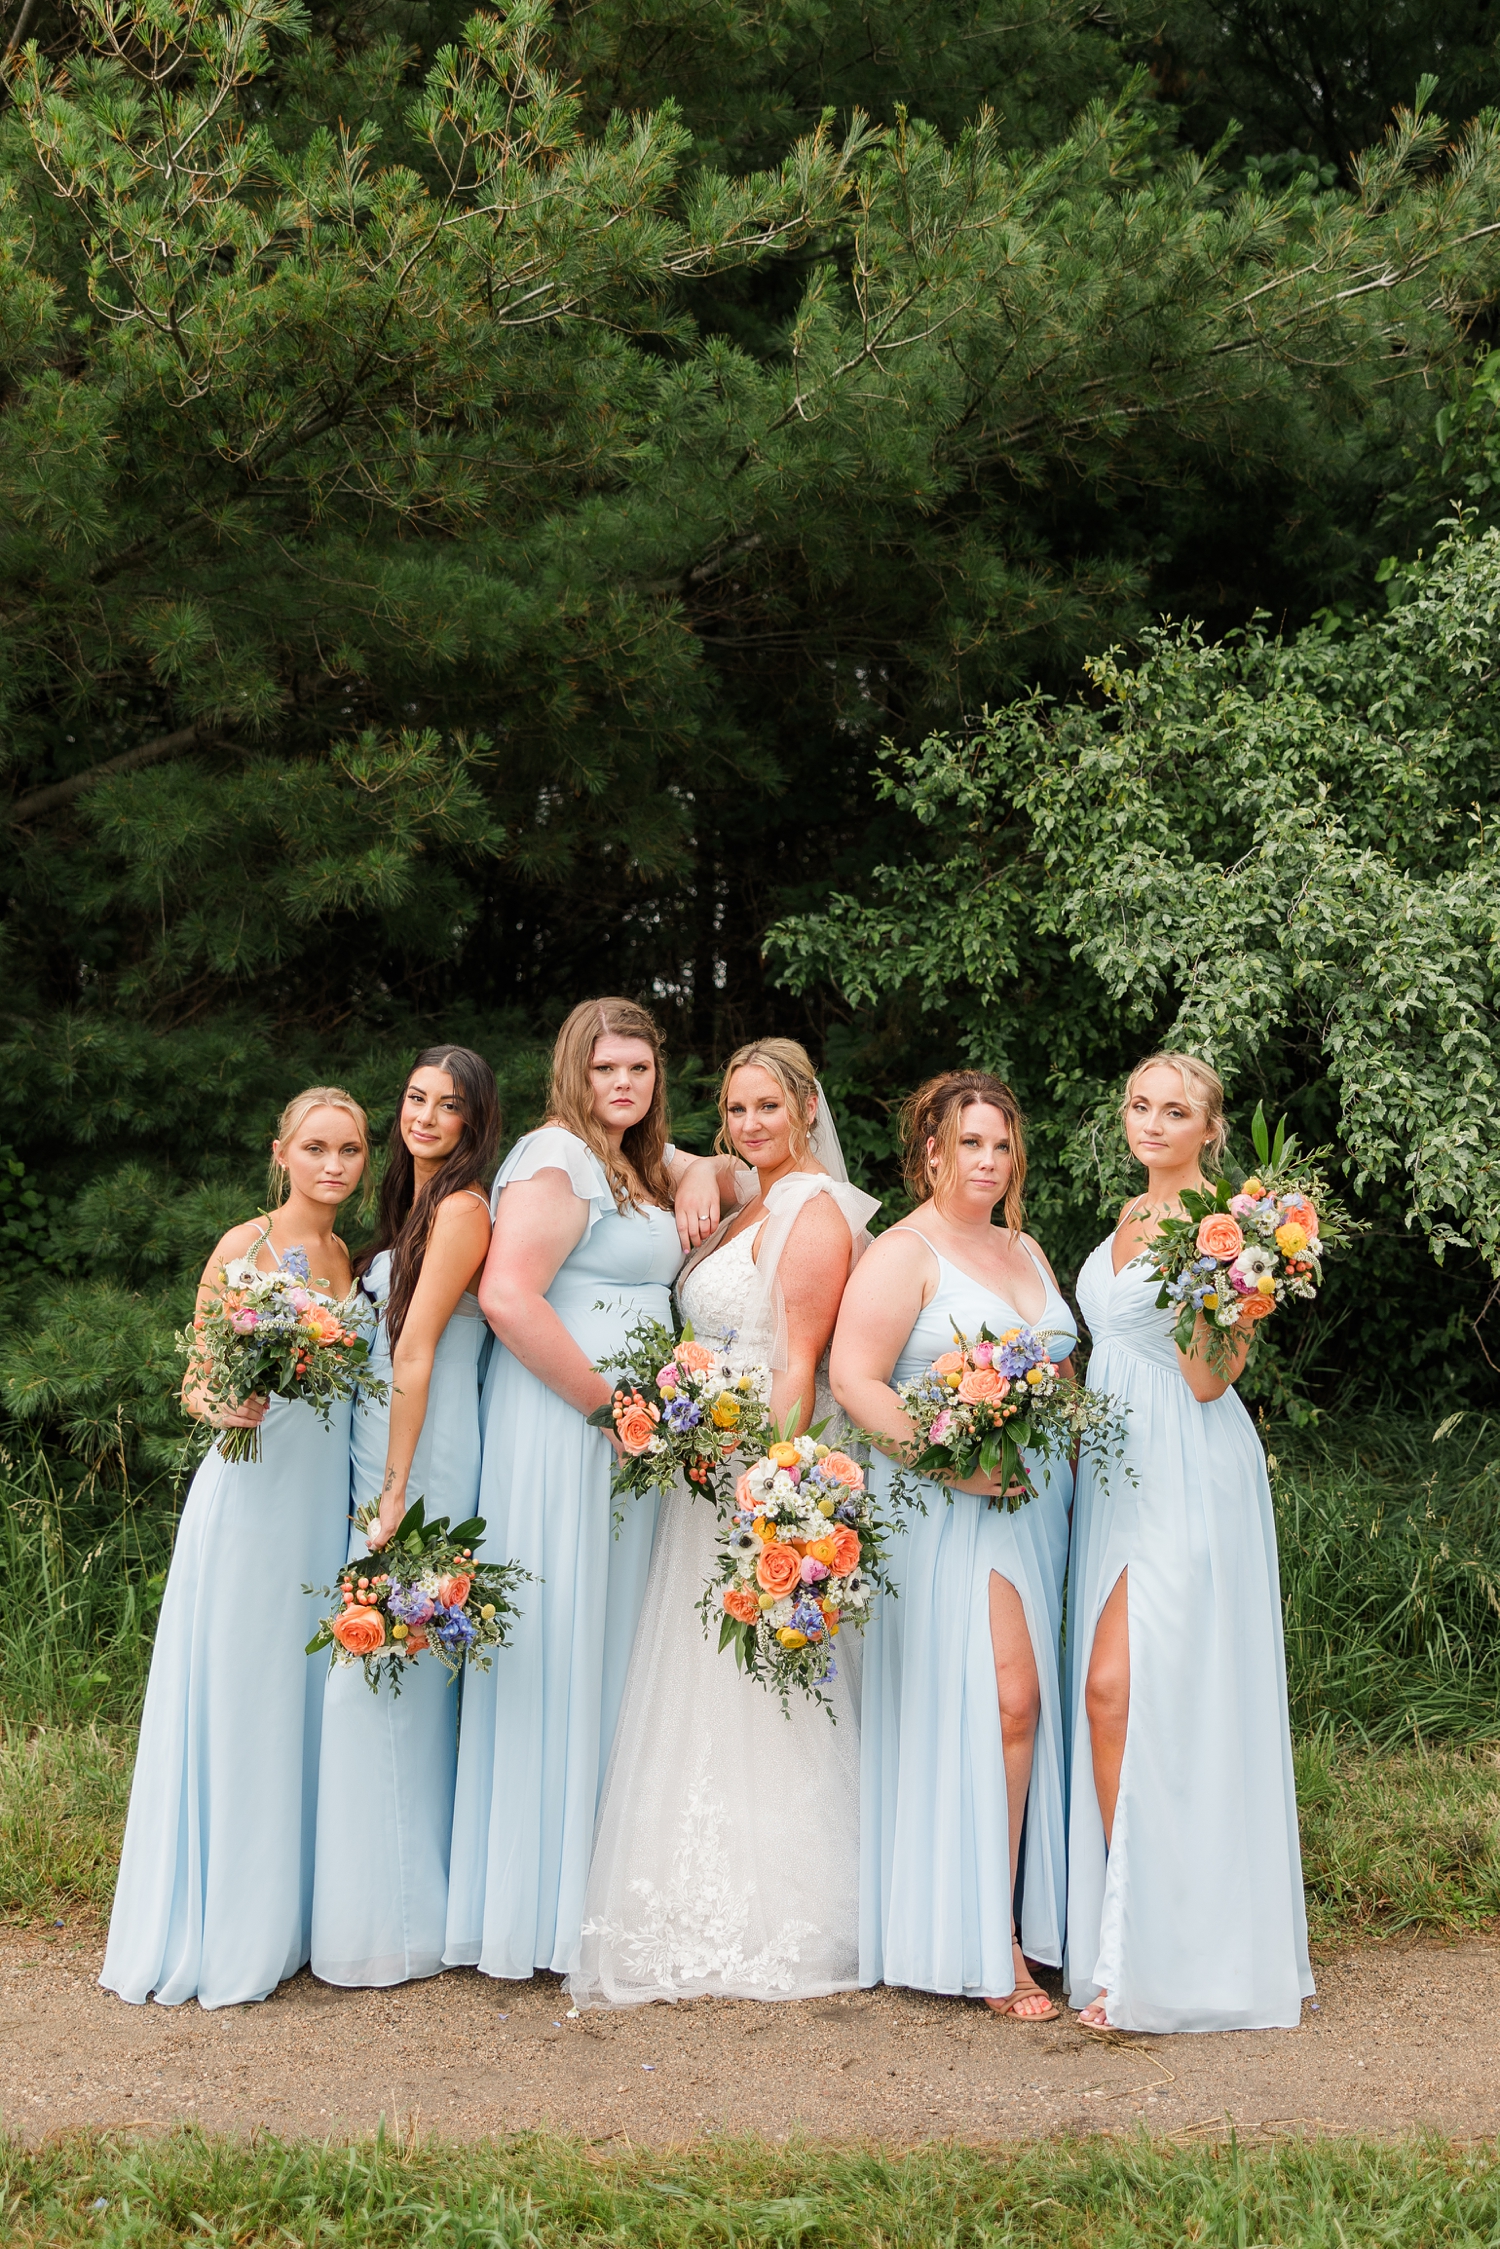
(422,1593)
(679,1409)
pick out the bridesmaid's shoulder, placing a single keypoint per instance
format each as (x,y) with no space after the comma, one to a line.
(901,1245)
(238,1242)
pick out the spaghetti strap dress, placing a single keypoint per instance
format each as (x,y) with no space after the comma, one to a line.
(380,1890)
(214,1898)
(1195,1919)
(935,1905)
(537,1727)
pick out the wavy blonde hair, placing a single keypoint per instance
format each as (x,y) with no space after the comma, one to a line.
(1202,1090)
(790,1065)
(296,1112)
(936,1112)
(641,1162)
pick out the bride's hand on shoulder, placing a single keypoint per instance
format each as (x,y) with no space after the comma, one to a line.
(703,1187)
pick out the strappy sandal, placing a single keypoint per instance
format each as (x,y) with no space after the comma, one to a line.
(1095,2028)
(1010,2005)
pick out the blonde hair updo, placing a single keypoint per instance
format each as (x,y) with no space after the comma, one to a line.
(1202,1090)
(791,1066)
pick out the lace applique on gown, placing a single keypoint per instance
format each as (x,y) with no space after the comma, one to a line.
(706,1875)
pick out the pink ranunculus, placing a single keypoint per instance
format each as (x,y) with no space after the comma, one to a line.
(812,1570)
(940,1428)
(793,1475)
(244,1321)
(1242,1205)
(668,1373)
(983,1354)
(300,1300)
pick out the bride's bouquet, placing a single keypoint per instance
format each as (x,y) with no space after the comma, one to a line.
(985,1405)
(679,1409)
(1250,1244)
(798,1559)
(273,1336)
(422,1593)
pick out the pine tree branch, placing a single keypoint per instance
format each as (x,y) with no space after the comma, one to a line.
(40,801)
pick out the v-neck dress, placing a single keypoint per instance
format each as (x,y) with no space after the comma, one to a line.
(1195,1919)
(214,1898)
(935,1904)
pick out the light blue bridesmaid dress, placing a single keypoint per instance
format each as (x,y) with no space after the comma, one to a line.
(1196,1920)
(214,1897)
(935,1907)
(380,1891)
(537,1728)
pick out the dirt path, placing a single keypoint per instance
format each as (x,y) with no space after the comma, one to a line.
(1401,2037)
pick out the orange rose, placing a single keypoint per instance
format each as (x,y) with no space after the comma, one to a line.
(1253,1308)
(415,1641)
(744,1497)
(982,1387)
(453,1591)
(847,1471)
(951,1362)
(635,1426)
(845,1544)
(694,1357)
(1306,1217)
(741,1605)
(323,1324)
(779,1571)
(830,1618)
(1219,1236)
(359,1631)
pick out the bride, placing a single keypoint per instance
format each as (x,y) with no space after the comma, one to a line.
(726,1853)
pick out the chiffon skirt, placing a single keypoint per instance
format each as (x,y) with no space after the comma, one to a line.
(1195,1920)
(214,1898)
(935,1907)
(537,1728)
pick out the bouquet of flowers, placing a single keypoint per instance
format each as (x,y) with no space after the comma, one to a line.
(798,1558)
(982,1404)
(1249,1244)
(679,1409)
(421,1594)
(271,1336)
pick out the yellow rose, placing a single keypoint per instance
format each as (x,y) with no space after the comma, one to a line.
(726,1413)
(1291,1238)
(791,1639)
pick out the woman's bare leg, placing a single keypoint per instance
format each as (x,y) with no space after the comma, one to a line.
(1106,1697)
(1020,1698)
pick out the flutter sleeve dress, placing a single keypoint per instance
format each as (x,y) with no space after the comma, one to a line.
(935,1903)
(385,1785)
(537,1728)
(1195,1919)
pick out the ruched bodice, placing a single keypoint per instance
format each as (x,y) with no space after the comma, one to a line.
(966,1304)
(1121,1309)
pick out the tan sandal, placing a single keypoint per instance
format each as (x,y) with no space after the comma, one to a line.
(1011,2005)
(1102,2022)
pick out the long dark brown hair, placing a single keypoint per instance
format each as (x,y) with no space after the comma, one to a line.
(405,1220)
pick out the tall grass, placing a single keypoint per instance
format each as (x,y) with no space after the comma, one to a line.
(82,1567)
(540,2193)
(1390,1573)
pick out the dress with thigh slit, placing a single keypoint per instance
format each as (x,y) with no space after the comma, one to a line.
(1194,1920)
(935,1904)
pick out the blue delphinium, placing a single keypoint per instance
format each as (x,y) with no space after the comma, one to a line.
(682,1414)
(453,1630)
(295,1265)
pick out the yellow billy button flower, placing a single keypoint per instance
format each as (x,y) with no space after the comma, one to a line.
(826,1506)
(1267,1284)
(766,1600)
(1035,1375)
(398,1631)
(1253,1187)
(488,1611)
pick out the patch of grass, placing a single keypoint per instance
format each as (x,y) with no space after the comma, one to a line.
(535,2192)
(1399,1841)
(63,1793)
(1390,1575)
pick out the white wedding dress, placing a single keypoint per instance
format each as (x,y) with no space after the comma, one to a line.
(726,1853)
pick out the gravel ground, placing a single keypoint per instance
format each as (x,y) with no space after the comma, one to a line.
(1401,2036)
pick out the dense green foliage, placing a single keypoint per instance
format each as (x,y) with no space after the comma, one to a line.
(475,495)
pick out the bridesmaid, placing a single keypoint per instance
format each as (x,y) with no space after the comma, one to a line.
(380,1893)
(1185,1904)
(585,1245)
(962,1730)
(214,1898)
